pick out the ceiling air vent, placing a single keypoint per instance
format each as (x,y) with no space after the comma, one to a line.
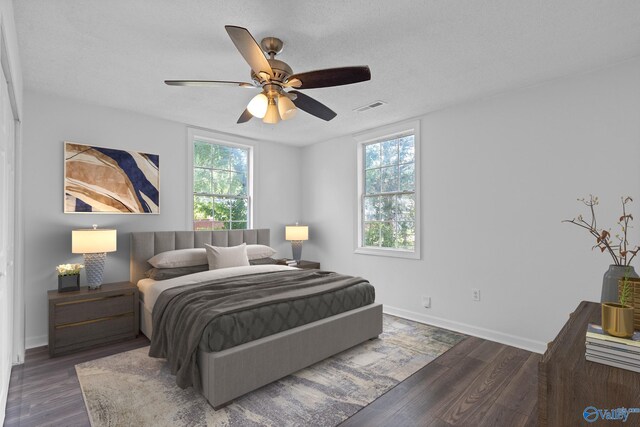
(374,104)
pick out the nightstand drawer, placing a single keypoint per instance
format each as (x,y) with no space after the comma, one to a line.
(93,308)
(94,331)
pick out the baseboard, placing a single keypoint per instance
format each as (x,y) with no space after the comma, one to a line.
(32,342)
(488,334)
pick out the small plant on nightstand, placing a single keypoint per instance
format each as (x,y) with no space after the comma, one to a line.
(69,277)
(69,269)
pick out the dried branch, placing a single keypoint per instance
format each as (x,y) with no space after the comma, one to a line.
(619,252)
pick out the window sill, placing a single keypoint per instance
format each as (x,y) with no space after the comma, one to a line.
(392,253)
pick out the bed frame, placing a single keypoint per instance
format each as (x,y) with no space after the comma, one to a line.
(229,374)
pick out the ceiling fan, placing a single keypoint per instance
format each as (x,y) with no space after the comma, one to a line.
(274,77)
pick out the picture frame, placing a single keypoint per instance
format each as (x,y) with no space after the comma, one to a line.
(110,181)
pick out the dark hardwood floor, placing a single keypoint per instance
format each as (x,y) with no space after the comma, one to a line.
(46,392)
(476,383)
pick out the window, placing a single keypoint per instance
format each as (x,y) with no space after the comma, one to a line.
(221,184)
(388,192)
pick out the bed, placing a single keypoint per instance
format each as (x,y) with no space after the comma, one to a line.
(232,372)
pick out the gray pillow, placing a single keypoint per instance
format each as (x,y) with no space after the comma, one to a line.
(263,261)
(170,273)
(179,258)
(259,252)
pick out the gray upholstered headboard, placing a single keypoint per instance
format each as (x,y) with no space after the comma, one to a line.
(145,244)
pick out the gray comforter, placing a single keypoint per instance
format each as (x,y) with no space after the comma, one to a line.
(180,315)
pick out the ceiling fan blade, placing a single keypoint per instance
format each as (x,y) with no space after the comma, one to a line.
(245,116)
(313,107)
(330,77)
(249,49)
(207,83)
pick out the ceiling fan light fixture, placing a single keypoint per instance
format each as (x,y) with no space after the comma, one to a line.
(272,116)
(258,105)
(286,108)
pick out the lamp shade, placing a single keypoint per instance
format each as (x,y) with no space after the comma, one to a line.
(258,105)
(296,232)
(93,241)
(286,108)
(272,115)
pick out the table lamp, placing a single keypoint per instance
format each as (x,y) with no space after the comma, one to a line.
(93,244)
(296,234)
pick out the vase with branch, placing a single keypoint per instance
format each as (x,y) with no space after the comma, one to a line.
(618,246)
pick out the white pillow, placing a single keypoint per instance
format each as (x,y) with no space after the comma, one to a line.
(179,258)
(233,256)
(259,251)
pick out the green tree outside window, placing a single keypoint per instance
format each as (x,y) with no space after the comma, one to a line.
(220,186)
(389,194)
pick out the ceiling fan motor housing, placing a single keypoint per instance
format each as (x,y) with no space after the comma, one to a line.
(281,72)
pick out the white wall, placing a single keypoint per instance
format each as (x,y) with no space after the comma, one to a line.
(498,176)
(51,120)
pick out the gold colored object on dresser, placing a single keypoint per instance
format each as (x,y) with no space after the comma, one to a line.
(88,318)
(617,319)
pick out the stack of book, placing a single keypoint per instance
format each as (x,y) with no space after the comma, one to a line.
(621,353)
(291,262)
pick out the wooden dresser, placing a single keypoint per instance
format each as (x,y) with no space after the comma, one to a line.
(568,384)
(88,318)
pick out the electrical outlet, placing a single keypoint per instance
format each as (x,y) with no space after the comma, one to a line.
(475,294)
(426,301)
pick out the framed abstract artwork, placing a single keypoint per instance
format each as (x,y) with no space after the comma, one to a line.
(106,180)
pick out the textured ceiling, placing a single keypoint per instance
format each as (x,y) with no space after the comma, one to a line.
(423,55)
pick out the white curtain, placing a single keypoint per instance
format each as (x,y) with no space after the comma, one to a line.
(7,221)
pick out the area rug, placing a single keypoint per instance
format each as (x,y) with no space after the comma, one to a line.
(132,389)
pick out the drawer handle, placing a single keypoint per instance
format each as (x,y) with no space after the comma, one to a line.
(92,299)
(87,322)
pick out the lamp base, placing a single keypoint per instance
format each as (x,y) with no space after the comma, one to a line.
(296,249)
(94,267)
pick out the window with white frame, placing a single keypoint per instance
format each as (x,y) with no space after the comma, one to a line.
(388,171)
(221,184)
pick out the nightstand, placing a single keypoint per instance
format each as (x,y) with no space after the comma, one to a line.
(305,265)
(88,318)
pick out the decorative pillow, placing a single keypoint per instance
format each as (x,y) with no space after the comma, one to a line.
(259,251)
(170,273)
(179,258)
(262,261)
(233,256)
